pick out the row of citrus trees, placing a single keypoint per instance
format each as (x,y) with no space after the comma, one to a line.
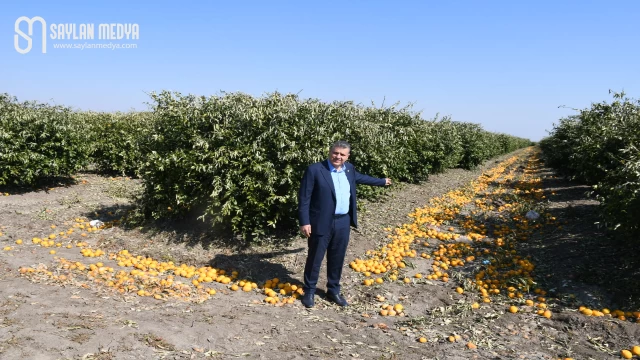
(601,146)
(236,158)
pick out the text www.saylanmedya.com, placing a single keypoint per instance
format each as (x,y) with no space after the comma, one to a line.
(86,45)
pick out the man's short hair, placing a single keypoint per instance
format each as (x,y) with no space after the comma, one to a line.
(340,144)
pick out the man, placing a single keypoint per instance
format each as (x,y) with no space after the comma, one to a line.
(326,209)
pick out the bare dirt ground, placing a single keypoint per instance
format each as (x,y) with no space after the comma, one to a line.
(49,316)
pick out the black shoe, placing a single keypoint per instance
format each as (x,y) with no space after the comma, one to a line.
(307,300)
(336,298)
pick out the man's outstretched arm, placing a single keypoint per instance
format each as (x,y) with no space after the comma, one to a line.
(370,180)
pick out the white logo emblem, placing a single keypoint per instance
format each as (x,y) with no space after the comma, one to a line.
(19,32)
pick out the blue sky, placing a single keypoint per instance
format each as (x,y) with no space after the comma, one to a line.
(503,64)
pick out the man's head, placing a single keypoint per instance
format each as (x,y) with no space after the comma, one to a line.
(339,153)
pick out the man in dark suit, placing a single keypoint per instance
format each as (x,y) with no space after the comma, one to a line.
(326,209)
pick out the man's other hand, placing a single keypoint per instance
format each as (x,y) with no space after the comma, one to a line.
(305,230)
(387,181)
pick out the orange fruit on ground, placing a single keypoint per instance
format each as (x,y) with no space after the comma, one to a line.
(513,309)
(587,312)
(626,354)
(636,350)
(422,340)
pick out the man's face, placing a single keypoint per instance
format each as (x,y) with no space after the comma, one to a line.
(338,156)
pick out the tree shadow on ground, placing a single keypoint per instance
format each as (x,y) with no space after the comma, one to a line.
(257,264)
(108,214)
(578,259)
(40,185)
(190,230)
(45,183)
(575,258)
(259,267)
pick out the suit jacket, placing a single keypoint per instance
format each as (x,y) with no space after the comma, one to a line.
(317,196)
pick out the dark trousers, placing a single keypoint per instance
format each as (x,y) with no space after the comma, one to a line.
(334,245)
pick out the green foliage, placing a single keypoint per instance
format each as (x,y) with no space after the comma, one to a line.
(116,140)
(446,145)
(478,145)
(241,158)
(39,142)
(234,159)
(599,146)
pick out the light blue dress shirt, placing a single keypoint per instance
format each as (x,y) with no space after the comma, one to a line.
(343,191)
